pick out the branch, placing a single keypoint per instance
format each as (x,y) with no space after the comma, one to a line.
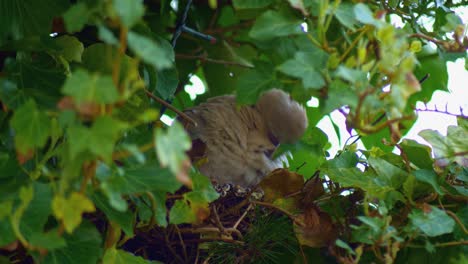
(426,37)
(205,59)
(166,104)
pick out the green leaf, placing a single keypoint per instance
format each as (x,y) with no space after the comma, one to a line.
(370,230)
(71,48)
(387,173)
(99,139)
(107,36)
(433,223)
(70,209)
(358,77)
(129,11)
(430,177)
(418,154)
(181,213)
(37,213)
(346,159)
(307,66)
(10,95)
(171,146)
(251,4)
(19,18)
(203,191)
(50,240)
(35,76)
(451,147)
(364,14)
(83,246)
(91,88)
(138,180)
(251,84)
(123,219)
(345,14)
(166,82)
(117,256)
(273,24)
(8,236)
(150,51)
(430,64)
(340,243)
(32,127)
(76,17)
(340,94)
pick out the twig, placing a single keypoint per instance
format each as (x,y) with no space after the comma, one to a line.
(217,220)
(122,48)
(419,35)
(168,243)
(455,217)
(204,58)
(242,217)
(166,104)
(182,243)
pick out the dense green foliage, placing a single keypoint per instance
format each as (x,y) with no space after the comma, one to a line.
(86,169)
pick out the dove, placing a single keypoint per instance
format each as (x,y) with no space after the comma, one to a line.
(234,144)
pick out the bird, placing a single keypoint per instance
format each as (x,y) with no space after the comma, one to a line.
(234,144)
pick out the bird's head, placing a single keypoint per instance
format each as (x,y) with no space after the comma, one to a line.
(285,118)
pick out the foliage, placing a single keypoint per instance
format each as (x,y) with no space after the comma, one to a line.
(88,173)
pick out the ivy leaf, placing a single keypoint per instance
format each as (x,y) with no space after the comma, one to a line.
(36,215)
(345,14)
(251,4)
(451,147)
(117,256)
(106,35)
(273,24)
(181,213)
(20,18)
(307,66)
(32,127)
(123,219)
(199,198)
(158,55)
(171,146)
(76,17)
(129,11)
(418,154)
(364,14)
(430,177)
(339,95)
(70,209)
(99,139)
(50,240)
(83,246)
(91,88)
(71,48)
(166,82)
(203,190)
(254,82)
(388,173)
(432,222)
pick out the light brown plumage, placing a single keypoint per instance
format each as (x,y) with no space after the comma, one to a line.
(237,142)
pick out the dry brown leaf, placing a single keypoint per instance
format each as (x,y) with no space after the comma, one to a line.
(318,230)
(281,183)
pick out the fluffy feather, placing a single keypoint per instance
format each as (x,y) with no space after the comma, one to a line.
(239,141)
